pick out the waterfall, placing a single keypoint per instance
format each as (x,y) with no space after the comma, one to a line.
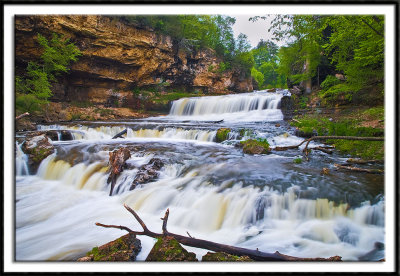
(21,161)
(253,106)
(106,132)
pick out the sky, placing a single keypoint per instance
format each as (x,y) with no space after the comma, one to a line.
(254,30)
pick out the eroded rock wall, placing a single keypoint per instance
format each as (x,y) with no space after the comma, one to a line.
(118,57)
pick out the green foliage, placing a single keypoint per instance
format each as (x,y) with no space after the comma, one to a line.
(298,160)
(345,127)
(34,86)
(27,103)
(258,77)
(329,82)
(353,44)
(303,102)
(377,113)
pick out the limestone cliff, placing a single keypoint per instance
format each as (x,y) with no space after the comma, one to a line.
(119,57)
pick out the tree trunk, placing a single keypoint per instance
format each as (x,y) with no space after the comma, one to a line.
(120,134)
(22,116)
(117,163)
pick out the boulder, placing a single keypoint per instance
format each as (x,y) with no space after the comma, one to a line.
(271,90)
(168,249)
(37,148)
(222,134)
(123,249)
(224,257)
(252,146)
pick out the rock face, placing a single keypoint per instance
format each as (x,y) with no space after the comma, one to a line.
(37,148)
(123,249)
(169,249)
(118,57)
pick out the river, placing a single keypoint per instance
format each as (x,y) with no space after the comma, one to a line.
(213,190)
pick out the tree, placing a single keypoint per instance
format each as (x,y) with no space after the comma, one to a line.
(34,88)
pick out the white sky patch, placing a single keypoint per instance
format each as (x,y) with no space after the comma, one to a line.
(255,31)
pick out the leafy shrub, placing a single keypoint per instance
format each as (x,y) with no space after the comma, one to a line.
(329,82)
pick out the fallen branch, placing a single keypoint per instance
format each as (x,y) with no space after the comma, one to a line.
(360,161)
(22,116)
(350,168)
(213,246)
(323,150)
(118,135)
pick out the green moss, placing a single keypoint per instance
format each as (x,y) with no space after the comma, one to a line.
(253,146)
(222,134)
(346,127)
(297,160)
(224,257)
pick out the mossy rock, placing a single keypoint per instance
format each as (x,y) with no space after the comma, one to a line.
(252,146)
(168,249)
(222,134)
(37,148)
(122,249)
(224,257)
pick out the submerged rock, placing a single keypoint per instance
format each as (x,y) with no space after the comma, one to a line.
(123,249)
(37,148)
(224,257)
(168,249)
(147,172)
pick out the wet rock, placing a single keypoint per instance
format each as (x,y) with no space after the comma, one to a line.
(252,146)
(147,172)
(66,135)
(123,249)
(222,134)
(168,249)
(271,90)
(37,148)
(224,257)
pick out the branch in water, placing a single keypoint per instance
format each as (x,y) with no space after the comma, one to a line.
(213,246)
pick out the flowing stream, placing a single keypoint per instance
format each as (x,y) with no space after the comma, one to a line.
(213,190)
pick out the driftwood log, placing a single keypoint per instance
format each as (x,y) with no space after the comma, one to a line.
(355,169)
(120,134)
(360,161)
(22,116)
(213,246)
(117,161)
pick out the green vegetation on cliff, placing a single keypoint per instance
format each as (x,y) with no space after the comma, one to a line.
(33,88)
(193,32)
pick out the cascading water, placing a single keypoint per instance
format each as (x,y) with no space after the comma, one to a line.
(256,106)
(21,161)
(212,190)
